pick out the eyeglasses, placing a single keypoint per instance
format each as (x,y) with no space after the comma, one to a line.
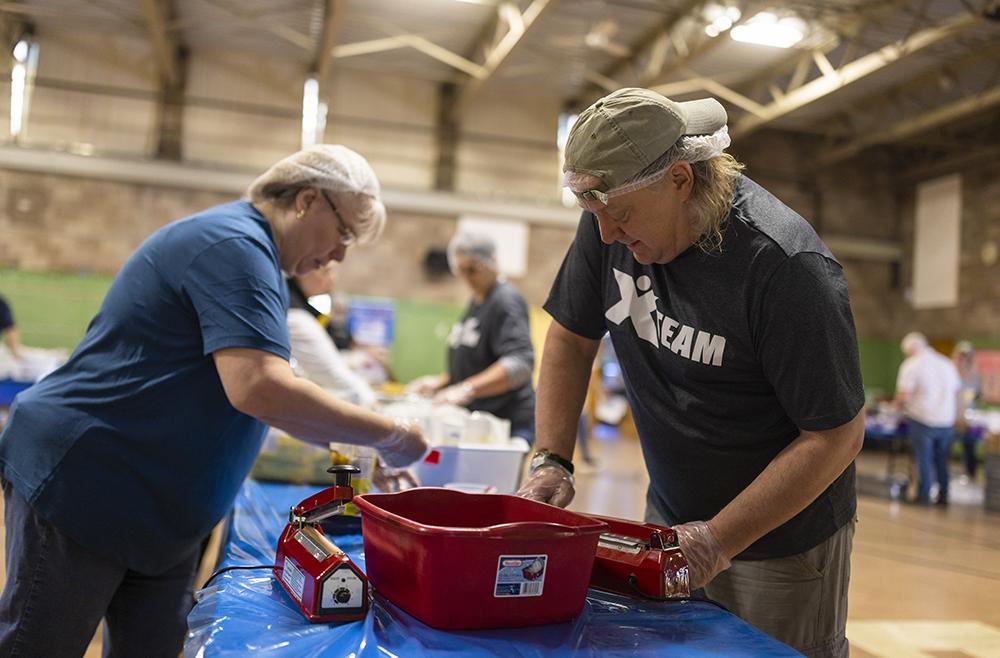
(602,198)
(347,236)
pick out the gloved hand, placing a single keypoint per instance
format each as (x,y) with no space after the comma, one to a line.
(549,483)
(703,552)
(425,386)
(389,480)
(459,395)
(402,446)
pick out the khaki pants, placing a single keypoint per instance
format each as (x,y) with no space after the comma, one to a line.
(800,600)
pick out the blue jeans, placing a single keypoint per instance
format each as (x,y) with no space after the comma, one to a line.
(931,446)
(57,592)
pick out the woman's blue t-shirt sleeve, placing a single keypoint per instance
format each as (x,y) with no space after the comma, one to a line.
(237,291)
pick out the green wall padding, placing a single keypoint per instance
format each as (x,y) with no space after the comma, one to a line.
(52,309)
(880,360)
(421,330)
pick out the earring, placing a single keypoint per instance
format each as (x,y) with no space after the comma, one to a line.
(299,214)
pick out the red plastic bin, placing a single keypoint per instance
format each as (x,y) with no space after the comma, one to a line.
(458,560)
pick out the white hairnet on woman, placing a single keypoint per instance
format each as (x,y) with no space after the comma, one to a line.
(478,246)
(335,169)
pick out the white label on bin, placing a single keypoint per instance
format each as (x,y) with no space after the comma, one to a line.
(293,578)
(520,575)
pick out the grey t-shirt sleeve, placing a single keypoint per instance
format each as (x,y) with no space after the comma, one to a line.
(575,297)
(510,337)
(805,337)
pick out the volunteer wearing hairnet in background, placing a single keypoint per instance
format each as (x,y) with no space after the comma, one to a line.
(490,356)
(732,324)
(116,466)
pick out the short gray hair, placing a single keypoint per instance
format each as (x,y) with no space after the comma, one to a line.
(913,342)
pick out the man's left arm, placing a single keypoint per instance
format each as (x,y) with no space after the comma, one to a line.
(793,479)
(808,350)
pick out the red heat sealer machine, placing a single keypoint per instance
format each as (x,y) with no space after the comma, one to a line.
(640,559)
(320,578)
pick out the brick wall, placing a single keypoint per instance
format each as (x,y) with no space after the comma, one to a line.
(62,223)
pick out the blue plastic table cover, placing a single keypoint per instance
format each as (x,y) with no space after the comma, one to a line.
(246,612)
(9,388)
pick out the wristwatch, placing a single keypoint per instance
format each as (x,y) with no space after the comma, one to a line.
(544,455)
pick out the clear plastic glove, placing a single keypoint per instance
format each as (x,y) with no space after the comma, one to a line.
(549,483)
(390,480)
(459,395)
(703,552)
(425,386)
(402,446)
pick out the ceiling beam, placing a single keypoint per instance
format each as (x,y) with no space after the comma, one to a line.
(164,45)
(917,125)
(704,45)
(30,10)
(171,66)
(371,46)
(658,41)
(446,56)
(826,84)
(235,19)
(885,102)
(795,67)
(414,41)
(724,92)
(333,18)
(519,24)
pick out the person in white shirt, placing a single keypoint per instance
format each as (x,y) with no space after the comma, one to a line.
(926,388)
(314,354)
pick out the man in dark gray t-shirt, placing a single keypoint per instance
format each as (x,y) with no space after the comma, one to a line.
(732,324)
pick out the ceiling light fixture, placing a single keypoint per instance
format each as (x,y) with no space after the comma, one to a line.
(313,113)
(766,29)
(22,75)
(719,18)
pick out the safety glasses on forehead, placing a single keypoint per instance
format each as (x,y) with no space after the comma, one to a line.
(589,197)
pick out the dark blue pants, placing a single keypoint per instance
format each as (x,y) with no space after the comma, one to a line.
(930,450)
(969,441)
(57,592)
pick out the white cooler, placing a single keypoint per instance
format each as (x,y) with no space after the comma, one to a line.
(475,451)
(465,465)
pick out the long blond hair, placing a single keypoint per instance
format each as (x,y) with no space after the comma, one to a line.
(712,192)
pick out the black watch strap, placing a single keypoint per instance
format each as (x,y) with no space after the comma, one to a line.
(553,457)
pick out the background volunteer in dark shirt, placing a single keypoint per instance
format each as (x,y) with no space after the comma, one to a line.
(733,327)
(490,357)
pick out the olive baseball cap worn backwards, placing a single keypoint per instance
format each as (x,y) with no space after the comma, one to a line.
(624,132)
